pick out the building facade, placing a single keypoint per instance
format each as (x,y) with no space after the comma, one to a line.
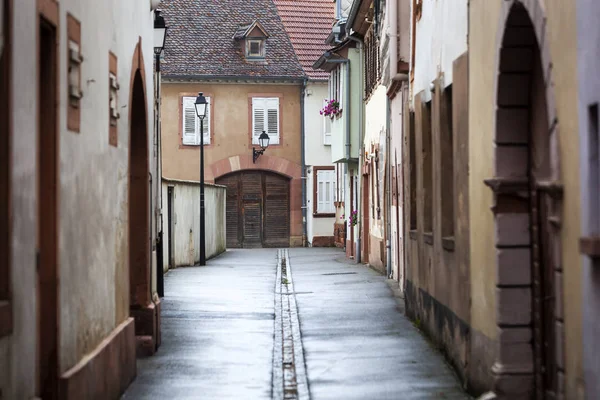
(588,37)
(308,24)
(77,287)
(245,65)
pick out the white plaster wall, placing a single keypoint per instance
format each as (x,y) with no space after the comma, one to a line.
(186,215)
(441,37)
(317,154)
(396,132)
(94,175)
(18,351)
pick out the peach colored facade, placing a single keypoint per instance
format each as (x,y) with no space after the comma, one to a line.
(230,147)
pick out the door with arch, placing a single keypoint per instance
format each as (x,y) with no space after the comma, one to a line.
(258,209)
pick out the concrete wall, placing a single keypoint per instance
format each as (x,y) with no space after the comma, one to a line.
(486,22)
(186,222)
(93,186)
(588,37)
(317,154)
(231,125)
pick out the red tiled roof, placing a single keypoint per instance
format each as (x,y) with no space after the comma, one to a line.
(308,23)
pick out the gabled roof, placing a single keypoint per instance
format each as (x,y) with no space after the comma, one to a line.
(243,31)
(200,40)
(308,24)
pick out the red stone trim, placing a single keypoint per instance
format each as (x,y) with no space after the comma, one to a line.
(113,136)
(107,371)
(210,121)
(323,241)
(73,103)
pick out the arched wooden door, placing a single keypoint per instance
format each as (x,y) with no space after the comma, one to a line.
(258,209)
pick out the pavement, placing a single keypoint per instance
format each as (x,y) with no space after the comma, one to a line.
(226,328)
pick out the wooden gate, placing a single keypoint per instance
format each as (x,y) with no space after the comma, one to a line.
(258,209)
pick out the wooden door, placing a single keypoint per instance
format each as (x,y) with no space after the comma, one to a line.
(277,211)
(258,209)
(47,213)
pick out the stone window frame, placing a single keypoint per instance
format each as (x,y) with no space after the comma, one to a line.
(74,61)
(113,90)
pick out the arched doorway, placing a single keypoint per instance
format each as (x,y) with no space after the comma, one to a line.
(527,214)
(258,209)
(139,214)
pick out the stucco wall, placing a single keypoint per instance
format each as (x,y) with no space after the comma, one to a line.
(486,28)
(441,37)
(186,221)
(231,125)
(588,15)
(92,190)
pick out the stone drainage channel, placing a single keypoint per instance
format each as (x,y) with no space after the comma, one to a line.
(289,370)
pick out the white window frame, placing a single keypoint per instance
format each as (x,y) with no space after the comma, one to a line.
(266,106)
(325,193)
(187,138)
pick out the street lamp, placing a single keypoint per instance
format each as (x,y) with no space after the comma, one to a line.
(201,107)
(263,141)
(160,35)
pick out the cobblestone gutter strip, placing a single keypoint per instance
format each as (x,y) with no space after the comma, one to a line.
(289,371)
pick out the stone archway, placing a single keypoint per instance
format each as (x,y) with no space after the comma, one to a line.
(527,211)
(142,308)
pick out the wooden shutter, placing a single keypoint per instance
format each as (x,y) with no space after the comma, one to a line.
(265,117)
(251,184)
(190,124)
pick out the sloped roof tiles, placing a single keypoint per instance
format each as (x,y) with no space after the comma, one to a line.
(308,23)
(200,40)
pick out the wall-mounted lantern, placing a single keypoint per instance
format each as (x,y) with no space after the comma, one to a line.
(263,141)
(160,32)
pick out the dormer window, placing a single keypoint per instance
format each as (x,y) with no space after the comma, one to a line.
(252,39)
(255,48)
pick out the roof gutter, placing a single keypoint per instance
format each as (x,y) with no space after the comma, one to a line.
(179,77)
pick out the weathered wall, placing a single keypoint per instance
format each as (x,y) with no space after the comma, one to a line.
(441,36)
(186,221)
(588,15)
(231,126)
(92,186)
(486,27)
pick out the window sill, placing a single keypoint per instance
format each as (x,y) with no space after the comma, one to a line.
(5,318)
(428,238)
(448,243)
(321,215)
(413,234)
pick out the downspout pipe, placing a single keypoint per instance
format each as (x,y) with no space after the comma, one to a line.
(388,196)
(303,156)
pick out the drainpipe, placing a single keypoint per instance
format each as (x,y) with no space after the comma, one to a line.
(303,156)
(361,136)
(388,169)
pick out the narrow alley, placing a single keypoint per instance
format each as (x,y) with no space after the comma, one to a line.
(226,328)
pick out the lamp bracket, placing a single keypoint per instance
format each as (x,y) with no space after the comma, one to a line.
(256,153)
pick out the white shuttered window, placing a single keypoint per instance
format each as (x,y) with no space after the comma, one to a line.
(191,122)
(265,117)
(325,195)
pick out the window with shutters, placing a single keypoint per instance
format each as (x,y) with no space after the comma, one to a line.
(324,191)
(265,117)
(191,124)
